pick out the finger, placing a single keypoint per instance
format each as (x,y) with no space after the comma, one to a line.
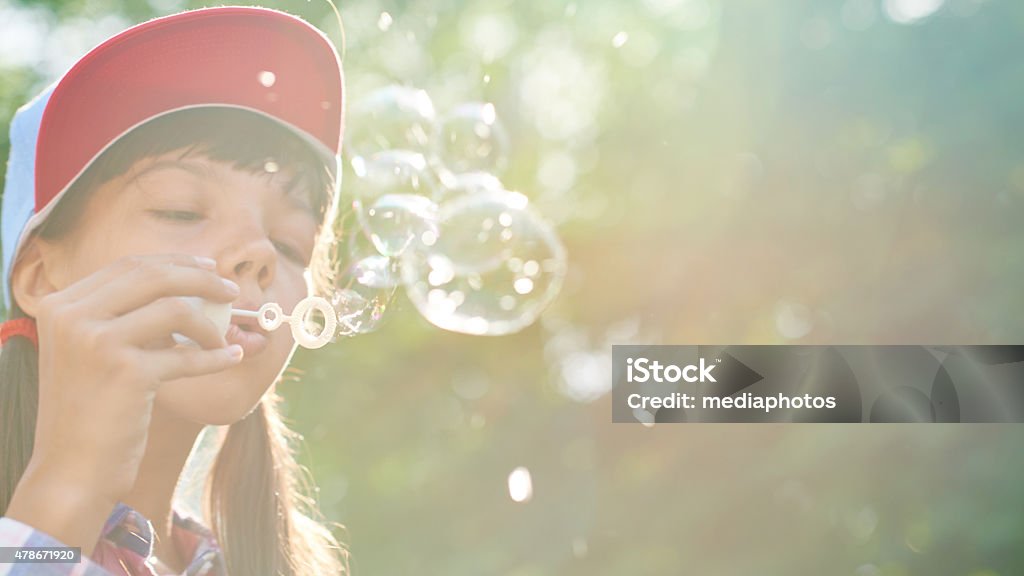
(100,278)
(166,341)
(156,321)
(175,363)
(144,284)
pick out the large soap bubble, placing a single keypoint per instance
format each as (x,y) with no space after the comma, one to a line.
(393,220)
(391,172)
(454,185)
(494,265)
(472,139)
(392,117)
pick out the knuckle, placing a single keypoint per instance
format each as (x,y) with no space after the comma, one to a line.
(124,366)
(58,316)
(179,309)
(92,337)
(48,306)
(132,262)
(156,272)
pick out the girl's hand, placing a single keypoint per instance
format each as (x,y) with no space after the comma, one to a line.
(105,347)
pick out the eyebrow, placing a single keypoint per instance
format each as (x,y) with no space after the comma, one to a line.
(202,170)
(182,164)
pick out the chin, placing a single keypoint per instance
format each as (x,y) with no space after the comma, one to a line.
(224,397)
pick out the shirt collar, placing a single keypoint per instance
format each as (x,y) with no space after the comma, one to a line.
(126,543)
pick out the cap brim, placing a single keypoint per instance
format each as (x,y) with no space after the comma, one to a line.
(253,58)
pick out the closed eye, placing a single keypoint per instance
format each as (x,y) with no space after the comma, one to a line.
(178,215)
(290,253)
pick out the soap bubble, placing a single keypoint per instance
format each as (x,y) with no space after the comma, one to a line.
(376,271)
(363,291)
(390,172)
(357,281)
(475,233)
(357,314)
(482,263)
(358,243)
(493,267)
(363,294)
(455,185)
(393,220)
(471,138)
(391,117)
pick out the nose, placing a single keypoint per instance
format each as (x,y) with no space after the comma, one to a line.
(250,257)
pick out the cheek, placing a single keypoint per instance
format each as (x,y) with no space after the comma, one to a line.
(288,290)
(281,345)
(107,238)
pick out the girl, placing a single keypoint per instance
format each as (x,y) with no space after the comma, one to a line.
(190,156)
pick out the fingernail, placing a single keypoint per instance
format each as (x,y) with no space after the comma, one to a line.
(205,262)
(234,351)
(231,286)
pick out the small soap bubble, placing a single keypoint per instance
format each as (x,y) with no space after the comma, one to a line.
(471,138)
(473,279)
(358,313)
(395,220)
(358,282)
(393,117)
(363,293)
(390,172)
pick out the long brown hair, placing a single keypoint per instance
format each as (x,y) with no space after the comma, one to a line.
(258,497)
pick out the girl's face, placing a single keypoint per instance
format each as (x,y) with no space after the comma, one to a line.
(260,232)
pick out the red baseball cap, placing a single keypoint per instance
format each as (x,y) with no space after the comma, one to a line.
(259,59)
(262,60)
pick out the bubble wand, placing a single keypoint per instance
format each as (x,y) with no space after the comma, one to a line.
(270,317)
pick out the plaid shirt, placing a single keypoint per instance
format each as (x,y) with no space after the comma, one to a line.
(124,549)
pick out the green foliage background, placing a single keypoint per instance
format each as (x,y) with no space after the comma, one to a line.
(722,172)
